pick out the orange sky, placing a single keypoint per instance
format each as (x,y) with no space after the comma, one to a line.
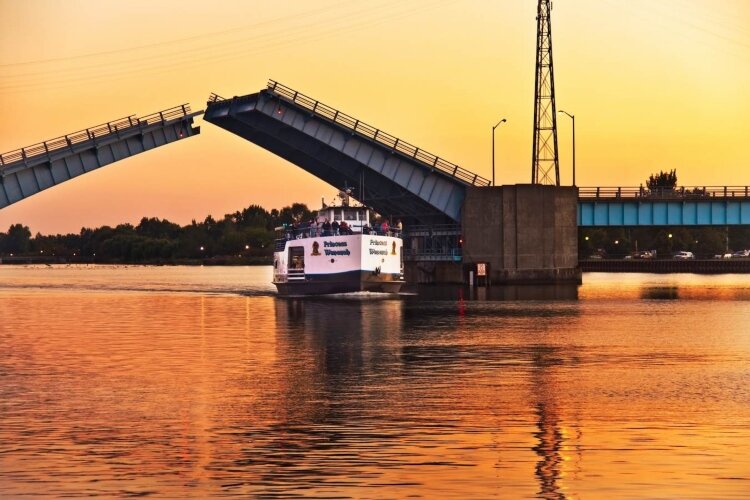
(654,84)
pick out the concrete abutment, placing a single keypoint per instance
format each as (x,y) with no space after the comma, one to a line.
(516,234)
(521,234)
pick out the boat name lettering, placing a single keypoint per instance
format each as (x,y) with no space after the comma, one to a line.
(378,242)
(373,251)
(329,244)
(337,252)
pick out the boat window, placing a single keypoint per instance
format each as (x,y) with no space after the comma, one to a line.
(337,214)
(350,214)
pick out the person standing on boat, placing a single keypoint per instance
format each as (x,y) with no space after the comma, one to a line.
(326,228)
(384,227)
(399,227)
(335,227)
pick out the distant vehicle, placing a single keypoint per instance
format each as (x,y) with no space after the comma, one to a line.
(645,254)
(684,255)
(727,256)
(741,253)
(599,253)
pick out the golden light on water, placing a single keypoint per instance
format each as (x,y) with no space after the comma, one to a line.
(139,386)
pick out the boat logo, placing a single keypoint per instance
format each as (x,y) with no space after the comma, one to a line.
(393,249)
(315,248)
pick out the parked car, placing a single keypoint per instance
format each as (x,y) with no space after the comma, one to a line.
(684,255)
(741,254)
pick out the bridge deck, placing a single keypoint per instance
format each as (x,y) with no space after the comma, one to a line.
(29,170)
(394,177)
(687,206)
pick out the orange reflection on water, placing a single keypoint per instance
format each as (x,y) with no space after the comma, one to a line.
(190,393)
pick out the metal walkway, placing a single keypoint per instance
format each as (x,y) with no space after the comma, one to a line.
(694,206)
(27,171)
(392,176)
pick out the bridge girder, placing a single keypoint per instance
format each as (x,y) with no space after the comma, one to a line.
(29,170)
(393,183)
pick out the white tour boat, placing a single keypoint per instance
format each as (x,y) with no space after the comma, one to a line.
(312,258)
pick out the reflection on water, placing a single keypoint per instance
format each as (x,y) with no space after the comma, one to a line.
(508,293)
(199,382)
(661,293)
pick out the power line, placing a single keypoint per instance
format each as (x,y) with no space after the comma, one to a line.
(263,44)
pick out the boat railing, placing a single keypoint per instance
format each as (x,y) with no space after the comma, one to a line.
(301,233)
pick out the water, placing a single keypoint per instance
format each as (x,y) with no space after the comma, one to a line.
(177,381)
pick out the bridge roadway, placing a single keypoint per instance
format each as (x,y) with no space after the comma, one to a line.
(694,206)
(27,171)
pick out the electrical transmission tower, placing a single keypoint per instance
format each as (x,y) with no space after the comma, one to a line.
(545,168)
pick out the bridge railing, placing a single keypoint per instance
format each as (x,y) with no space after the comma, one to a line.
(433,230)
(394,143)
(697,192)
(113,127)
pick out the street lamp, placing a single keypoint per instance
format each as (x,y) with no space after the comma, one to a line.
(493,148)
(573,117)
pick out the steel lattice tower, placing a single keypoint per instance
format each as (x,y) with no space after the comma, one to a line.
(544,156)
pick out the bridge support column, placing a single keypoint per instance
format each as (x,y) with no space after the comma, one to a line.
(524,234)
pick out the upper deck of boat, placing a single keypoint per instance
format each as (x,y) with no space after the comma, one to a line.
(335,221)
(303,231)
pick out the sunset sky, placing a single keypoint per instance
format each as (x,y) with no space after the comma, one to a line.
(654,84)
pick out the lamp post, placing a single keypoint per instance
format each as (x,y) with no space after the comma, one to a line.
(573,117)
(493,148)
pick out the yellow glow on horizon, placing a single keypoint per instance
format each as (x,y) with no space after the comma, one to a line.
(653,85)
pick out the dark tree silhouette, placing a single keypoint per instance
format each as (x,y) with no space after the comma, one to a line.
(662,180)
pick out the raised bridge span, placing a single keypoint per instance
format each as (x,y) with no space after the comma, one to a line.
(29,170)
(392,176)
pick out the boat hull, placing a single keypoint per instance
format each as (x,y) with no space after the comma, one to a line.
(349,282)
(338,264)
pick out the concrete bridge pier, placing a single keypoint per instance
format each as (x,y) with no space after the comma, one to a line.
(521,234)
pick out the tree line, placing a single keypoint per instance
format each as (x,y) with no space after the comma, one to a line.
(244,236)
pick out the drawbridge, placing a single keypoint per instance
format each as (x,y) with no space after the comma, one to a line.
(27,171)
(394,177)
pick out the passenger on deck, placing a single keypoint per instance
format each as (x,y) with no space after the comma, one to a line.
(302,229)
(326,228)
(365,228)
(384,227)
(344,228)
(335,227)
(399,227)
(313,228)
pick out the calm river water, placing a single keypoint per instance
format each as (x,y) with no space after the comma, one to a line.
(199,381)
